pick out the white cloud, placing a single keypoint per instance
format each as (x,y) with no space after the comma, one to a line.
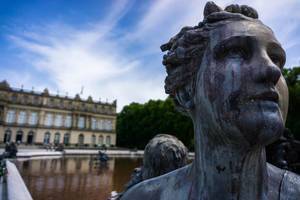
(165,18)
(92,58)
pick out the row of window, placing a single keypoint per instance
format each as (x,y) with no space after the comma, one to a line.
(57,120)
(101,124)
(47,138)
(22,117)
(81,140)
(62,104)
(19,137)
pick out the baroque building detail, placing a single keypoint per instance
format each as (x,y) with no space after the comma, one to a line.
(37,118)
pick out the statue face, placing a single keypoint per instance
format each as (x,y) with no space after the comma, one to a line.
(240,88)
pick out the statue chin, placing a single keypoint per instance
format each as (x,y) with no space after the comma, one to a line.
(260,125)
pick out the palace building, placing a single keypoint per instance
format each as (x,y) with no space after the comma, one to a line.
(33,118)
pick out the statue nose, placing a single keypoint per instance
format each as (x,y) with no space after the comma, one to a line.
(268,72)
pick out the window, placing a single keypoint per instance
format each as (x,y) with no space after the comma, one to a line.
(95,108)
(7,136)
(68,121)
(80,140)
(14,98)
(25,99)
(36,100)
(33,118)
(66,139)
(100,140)
(48,119)
(19,137)
(81,122)
(108,141)
(51,102)
(70,104)
(30,137)
(56,138)
(11,116)
(94,123)
(100,124)
(83,106)
(93,139)
(22,117)
(104,124)
(61,103)
(106,109)
(47,138)
(108,125)
(58,121)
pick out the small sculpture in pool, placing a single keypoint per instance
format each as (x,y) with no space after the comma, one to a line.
(225,73)
(162,154)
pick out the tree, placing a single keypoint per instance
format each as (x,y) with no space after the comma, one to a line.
(138,123)
(292,77)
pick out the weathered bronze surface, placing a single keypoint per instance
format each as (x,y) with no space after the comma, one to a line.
(225,73)
(164,153)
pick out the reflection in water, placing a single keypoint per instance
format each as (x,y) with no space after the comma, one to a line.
(75,177)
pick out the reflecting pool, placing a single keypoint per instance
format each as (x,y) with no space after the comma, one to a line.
(75,177)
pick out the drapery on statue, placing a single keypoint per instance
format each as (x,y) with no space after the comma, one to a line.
(225,73)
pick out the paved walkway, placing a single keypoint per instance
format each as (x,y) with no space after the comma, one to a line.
(25,153)
(16,188)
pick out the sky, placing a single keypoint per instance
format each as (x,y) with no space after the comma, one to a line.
(109,49)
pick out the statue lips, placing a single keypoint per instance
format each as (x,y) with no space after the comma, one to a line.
(236,100)
(266,96)
(268,99)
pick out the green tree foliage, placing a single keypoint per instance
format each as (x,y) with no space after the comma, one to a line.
(138,123)
(292,77)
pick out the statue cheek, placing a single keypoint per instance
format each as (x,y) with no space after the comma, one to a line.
(235,72)
(283,92)
(213,83)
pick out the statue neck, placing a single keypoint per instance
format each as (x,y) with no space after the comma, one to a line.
(228,172)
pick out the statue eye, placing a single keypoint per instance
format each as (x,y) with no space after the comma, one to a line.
(276,54)
(277,60)
(237,47)
(236,53)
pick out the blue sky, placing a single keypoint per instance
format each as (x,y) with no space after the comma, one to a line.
(111,47)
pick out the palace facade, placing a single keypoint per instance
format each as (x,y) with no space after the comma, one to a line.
(33,118)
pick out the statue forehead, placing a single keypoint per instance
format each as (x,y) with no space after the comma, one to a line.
(254,29)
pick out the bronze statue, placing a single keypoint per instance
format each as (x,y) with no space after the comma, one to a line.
(164,153)
(225,73)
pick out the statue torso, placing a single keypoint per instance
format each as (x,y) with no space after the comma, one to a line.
(179,185)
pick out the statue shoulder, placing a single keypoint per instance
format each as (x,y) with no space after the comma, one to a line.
(290,187)
(162,187)
(283,183)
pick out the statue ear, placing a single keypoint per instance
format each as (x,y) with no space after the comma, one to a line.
(184,97)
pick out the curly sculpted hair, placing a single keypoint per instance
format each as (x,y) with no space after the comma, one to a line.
(186,49)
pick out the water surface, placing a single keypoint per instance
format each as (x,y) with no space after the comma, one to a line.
(72,178)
